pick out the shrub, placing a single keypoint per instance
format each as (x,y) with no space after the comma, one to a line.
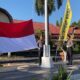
(62,74)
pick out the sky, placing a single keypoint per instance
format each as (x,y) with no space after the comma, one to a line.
(25,10)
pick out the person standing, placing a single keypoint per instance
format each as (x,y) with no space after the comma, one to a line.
(69,49)
(40,43)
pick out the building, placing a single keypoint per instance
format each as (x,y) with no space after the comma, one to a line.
(54,30)
(5,16)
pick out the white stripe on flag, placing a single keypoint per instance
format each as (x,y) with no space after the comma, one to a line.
(17,44)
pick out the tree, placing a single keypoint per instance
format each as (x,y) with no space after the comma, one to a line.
(60,21)
(74,24)
(39,7)
(39,33)
(78,23)
(57,23)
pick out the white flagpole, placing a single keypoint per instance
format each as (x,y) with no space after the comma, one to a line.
(9,54)
(46,59)
(46,24)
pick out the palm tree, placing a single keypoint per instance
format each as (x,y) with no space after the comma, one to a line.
(39,6)
(52,4)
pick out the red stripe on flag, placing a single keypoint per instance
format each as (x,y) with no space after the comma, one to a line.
(16,30)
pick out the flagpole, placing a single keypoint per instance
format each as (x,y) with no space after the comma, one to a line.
(9,54)
(46,59)
(65,26)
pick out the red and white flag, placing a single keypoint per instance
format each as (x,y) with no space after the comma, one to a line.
(17,36)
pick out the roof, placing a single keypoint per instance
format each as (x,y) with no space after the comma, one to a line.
(53,29)
(76,31)
(40,26)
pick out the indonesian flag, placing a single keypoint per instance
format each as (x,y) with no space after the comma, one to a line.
(17,36)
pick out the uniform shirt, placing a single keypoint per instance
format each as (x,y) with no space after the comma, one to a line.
(69,43)
(40,44)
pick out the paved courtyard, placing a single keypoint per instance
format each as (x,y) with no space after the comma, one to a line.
(31,71)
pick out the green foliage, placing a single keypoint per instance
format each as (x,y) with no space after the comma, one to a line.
(39,6)
(76,24)
(59,3)
(62,74)
(79,23)
(68,77)
(57,23)
(51,43)
(39,33)
(76,46)
(60,21)
(34,79)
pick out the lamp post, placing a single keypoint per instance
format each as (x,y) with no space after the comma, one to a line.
(46,59)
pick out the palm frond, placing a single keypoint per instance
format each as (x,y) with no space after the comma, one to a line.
(59,3)
(51,6)
(39,7)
